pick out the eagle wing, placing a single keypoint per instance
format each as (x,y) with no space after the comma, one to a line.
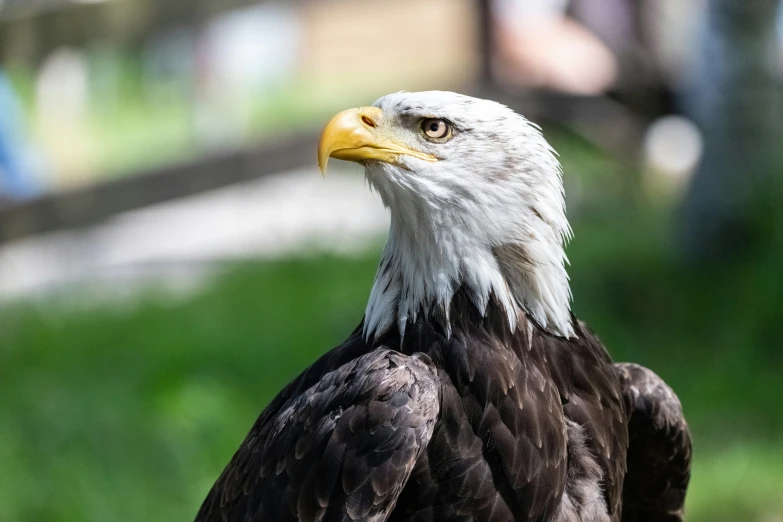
(659,452)
(339,450)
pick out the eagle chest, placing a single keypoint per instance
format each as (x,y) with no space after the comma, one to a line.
(499,449)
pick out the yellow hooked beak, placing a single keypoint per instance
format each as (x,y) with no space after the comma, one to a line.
(354,135)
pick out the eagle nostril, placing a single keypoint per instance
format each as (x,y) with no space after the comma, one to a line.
(368,121)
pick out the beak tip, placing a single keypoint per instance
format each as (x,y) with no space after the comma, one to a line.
(322,162)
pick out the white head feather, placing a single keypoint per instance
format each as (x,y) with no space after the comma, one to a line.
(489,215)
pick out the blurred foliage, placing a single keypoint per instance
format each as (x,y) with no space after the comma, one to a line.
(130,412)
(133,124)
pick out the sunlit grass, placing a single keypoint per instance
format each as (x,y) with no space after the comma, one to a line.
(739,481)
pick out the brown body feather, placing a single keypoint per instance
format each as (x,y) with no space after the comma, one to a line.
(484,424)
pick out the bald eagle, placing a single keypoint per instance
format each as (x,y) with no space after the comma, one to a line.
(469,391)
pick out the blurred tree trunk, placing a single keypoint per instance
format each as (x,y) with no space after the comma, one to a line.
(736,103)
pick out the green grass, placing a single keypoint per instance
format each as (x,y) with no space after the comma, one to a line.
(130,414)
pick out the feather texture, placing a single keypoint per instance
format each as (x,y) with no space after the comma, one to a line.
(659,456)
(487,424)
(339,451)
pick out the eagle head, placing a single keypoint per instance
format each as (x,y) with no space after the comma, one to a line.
(475,194)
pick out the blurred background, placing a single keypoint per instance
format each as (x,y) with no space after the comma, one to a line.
(170,256)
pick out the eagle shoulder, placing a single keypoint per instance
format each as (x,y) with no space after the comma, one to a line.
(659,451)
(341,449)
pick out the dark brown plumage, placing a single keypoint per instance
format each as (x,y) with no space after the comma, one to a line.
(482,424)
(659,456)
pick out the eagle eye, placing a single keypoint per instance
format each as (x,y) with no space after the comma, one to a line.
(436,129)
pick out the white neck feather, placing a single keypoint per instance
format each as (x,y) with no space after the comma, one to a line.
(429,255)
(421,271)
